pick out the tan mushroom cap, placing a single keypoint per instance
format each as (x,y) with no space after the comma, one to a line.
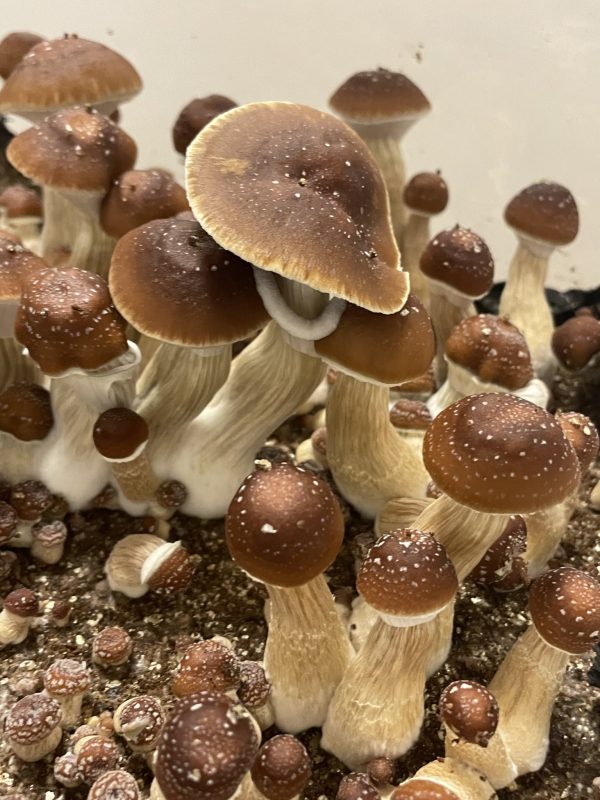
(254,689)
(12,49)
(74,149)
(281,768)
(379,95)
(357,786)
(470,711)
(140,720)
(577,341)
(20,201)
(583,435)
(30,499)
(461,260)
(16,263)
(32,719)
(172,282)
(423,789)
(195,116)
(500,454)
(119,432)
(410,415)
(545,211)
(295,191)
(26,412)
(426,193)
(382,348)
(112,646)
(68,72)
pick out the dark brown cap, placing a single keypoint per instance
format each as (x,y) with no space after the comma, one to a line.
(174,572)
(470,711)
(493,348)
(407,574)
(26,412)
(410,415)
(115,785)
(8,521)
(284,525)
(500,454)
(546,211)
(21,201)
(119,433)
(461,260)
(95,755)
(16,264)
(426,193)
(381,771)
(22,603)
(281,768)
(202,725)
(583,435)
(294,191)
(138,196)
(503,566)
(254,689)
(423,789)
(140,721)
(206,666)
(111,647)
(30,499)
(12,49)
(171,494)
(67,320)
(195,116)
(174,283)
(356,786)
(379,95)
(32,719)
(577,341)
(66,677)
(383,348)
(564,604)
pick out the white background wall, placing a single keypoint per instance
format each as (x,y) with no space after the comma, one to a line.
(514,84)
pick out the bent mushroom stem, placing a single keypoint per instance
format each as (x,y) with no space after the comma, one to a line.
(415,236)
(14,366)
(387,153)
(545,530)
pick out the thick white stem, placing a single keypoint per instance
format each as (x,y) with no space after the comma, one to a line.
(446,309)
(415,236)
(387,153)
(545,531)
(92,248)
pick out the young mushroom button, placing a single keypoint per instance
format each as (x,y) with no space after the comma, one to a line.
(12,49)
(115,785)
(195,116)
(206,666)
(281,769)
(470,711)
(33,727)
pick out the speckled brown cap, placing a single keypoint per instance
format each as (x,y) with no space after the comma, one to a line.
(195,116)
(202,725)
(112,647)
(545,211)
(30,499)
(171,494)
(503,567)
(470,711)
(140,720)
(500,454)
(406,574)
(206,666)
(49,534)
(174,283)
(32,719)
(95,756)
(295,191)
(254,689)
(381,771)
(66,677)
(175,573)
(284,525)
(379,95)
(26,412)
(583,435)
(492,348)
(115,785)
(22,603)
(410,415)
(281,768)
(20,201)
(8,521)
(119,432)
(461,260)
(576,342)
(12,49)
(356,786)
(426,193)
(68,72)
(564,604)
(138,196)
(67,320)
(382,348)
(16,264)
(423,789)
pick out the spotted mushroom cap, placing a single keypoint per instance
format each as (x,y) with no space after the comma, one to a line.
(140,720)
(356,786)
(111,647)
(284,525)
(32,719)
(119,433)
(16,264)
(26,411)
(493,349)
(583,435)
(410,415)
(294,191)
(95,756)
(49,534)
(12,49)
(206,666)
(116,785)
(459,259)
(576,342)
(470,711)
(171,570)
(381,771)
(20,201)
(22,603)
(67,320)
(8,521)
(195,116)
(281,768)
(66,677)
(545,211)
(423,789)
(426,193)
(500,454)
(503,566)
(254,688)
(30,499)
(202,725)
(171,494)
(407,573)
(379,95)
(564,604)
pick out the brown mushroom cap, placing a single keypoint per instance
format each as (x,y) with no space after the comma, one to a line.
(195,116)
(426,193)
(254,688)
(356,786)
(583,435)
(500,454)
(545,211)
(410,415)
(67,320)
(32,719)
(68,72)
(503,566)
(111,646)
(295,191)
(174,573)
(173,282)
(171,494)
(116,785)
(423,789)
(381,771)
(577,341)
(21,201)
(379,95)
(22,603)
(49,534)
(281,768)
(16,264)
(564,604)
(493,348)
(284,525)
(202,725)
(30,499)
(12,49)
(26,412)
(8,521)
(461,260)
(470,711)
(206,666)
(407,573)
(96,755)
(66,677)
(140,721)
(119,433)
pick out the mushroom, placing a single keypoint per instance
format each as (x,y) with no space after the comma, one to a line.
(30,499)
(469,711)
(8,522)
(116,784)
(140,721)
(26,419)
(503,566)
(576,345)
(21,213)
(112,647)
(411,418)
(33,727)
(95,756)
(20,608)
(195,116)
(254,692)
(66,772)
(280,771)
(142,562)
(48,540)
(207,666)
(12,49)
(67,681)
(445,779)
(357,786)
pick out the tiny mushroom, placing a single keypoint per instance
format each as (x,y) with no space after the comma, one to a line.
(139,721)
(21,213)
(576,344)
(206,666)
(67,681)
(12,49)
(281,769)
(48,540)
(357,786)
(115,785)
(142,562)
(254,693)
(469,711)
(95,756)
(20,608)
(503,566)
(112,647)
(33,727)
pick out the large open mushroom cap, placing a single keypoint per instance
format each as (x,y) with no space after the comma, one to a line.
(12,49)
(195,116)
(295,191)
(545,211)
(459,259)
(500,454)
(381,348)
(379,95)
(16,263)
(68,72)
(172,282)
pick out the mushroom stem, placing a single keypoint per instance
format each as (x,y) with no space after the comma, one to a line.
(61,221)
(14,366)
(415,236)
(458,778)
(92,248)
(387,153)
(447,309)
(545,530)
(136,478)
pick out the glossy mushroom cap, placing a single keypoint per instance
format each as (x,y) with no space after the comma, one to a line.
(583,435)
(426,193)
(564,604)
(410,415)
(201,726)
(423,789)
(294,191)
(282,768)
(195,116)
(67,320)
(116,785)
(22,603)
(8,521)
(66,677)
(470,711)
(206,666)
(139,196)
(576,342)
(16,264)
(284,526)
(500,454)
(21,201)
(26,412)
(379,95)
(30,499)
(406,576)
(32,719)
(120,433)
(12,49)
(544,211)
(503,566)
(492,348)
(459,259)
(356,786)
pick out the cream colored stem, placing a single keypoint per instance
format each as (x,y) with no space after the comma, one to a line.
(415,236)
(247,790)
(93,248)
(400,513)
(61,222)
(545,530)
(595,496)
(445,315)
(28,230)
(370,463)
(466,783)
(388,155)
(14,366)
(137,480)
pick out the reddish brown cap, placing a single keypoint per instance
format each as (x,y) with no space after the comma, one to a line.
(379,95)
(254,688)
(32,719)
(426,193)
(30,499)
(66,678)
(503,566)
(282,768)
(202,725)
(410,415)
(67,320)
(111,647)
(294,191)
(96,755)
(546,211)
(423,789)
(383,348)
(406,574)
(12,49)
(16,264)
(174,573)
(470,711)
(583,435)
(68,72)
(116,785)
(22,603)
(119,433)
(140,721)
(139,196)
(461,260)
(195,116)
(284,525)
(206,666)
(500,454)
(381,771)
(577,341)
(171,494)
(8,521)
(564,604)
(174,283)
(356,786)
(21,201)
(26,412)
